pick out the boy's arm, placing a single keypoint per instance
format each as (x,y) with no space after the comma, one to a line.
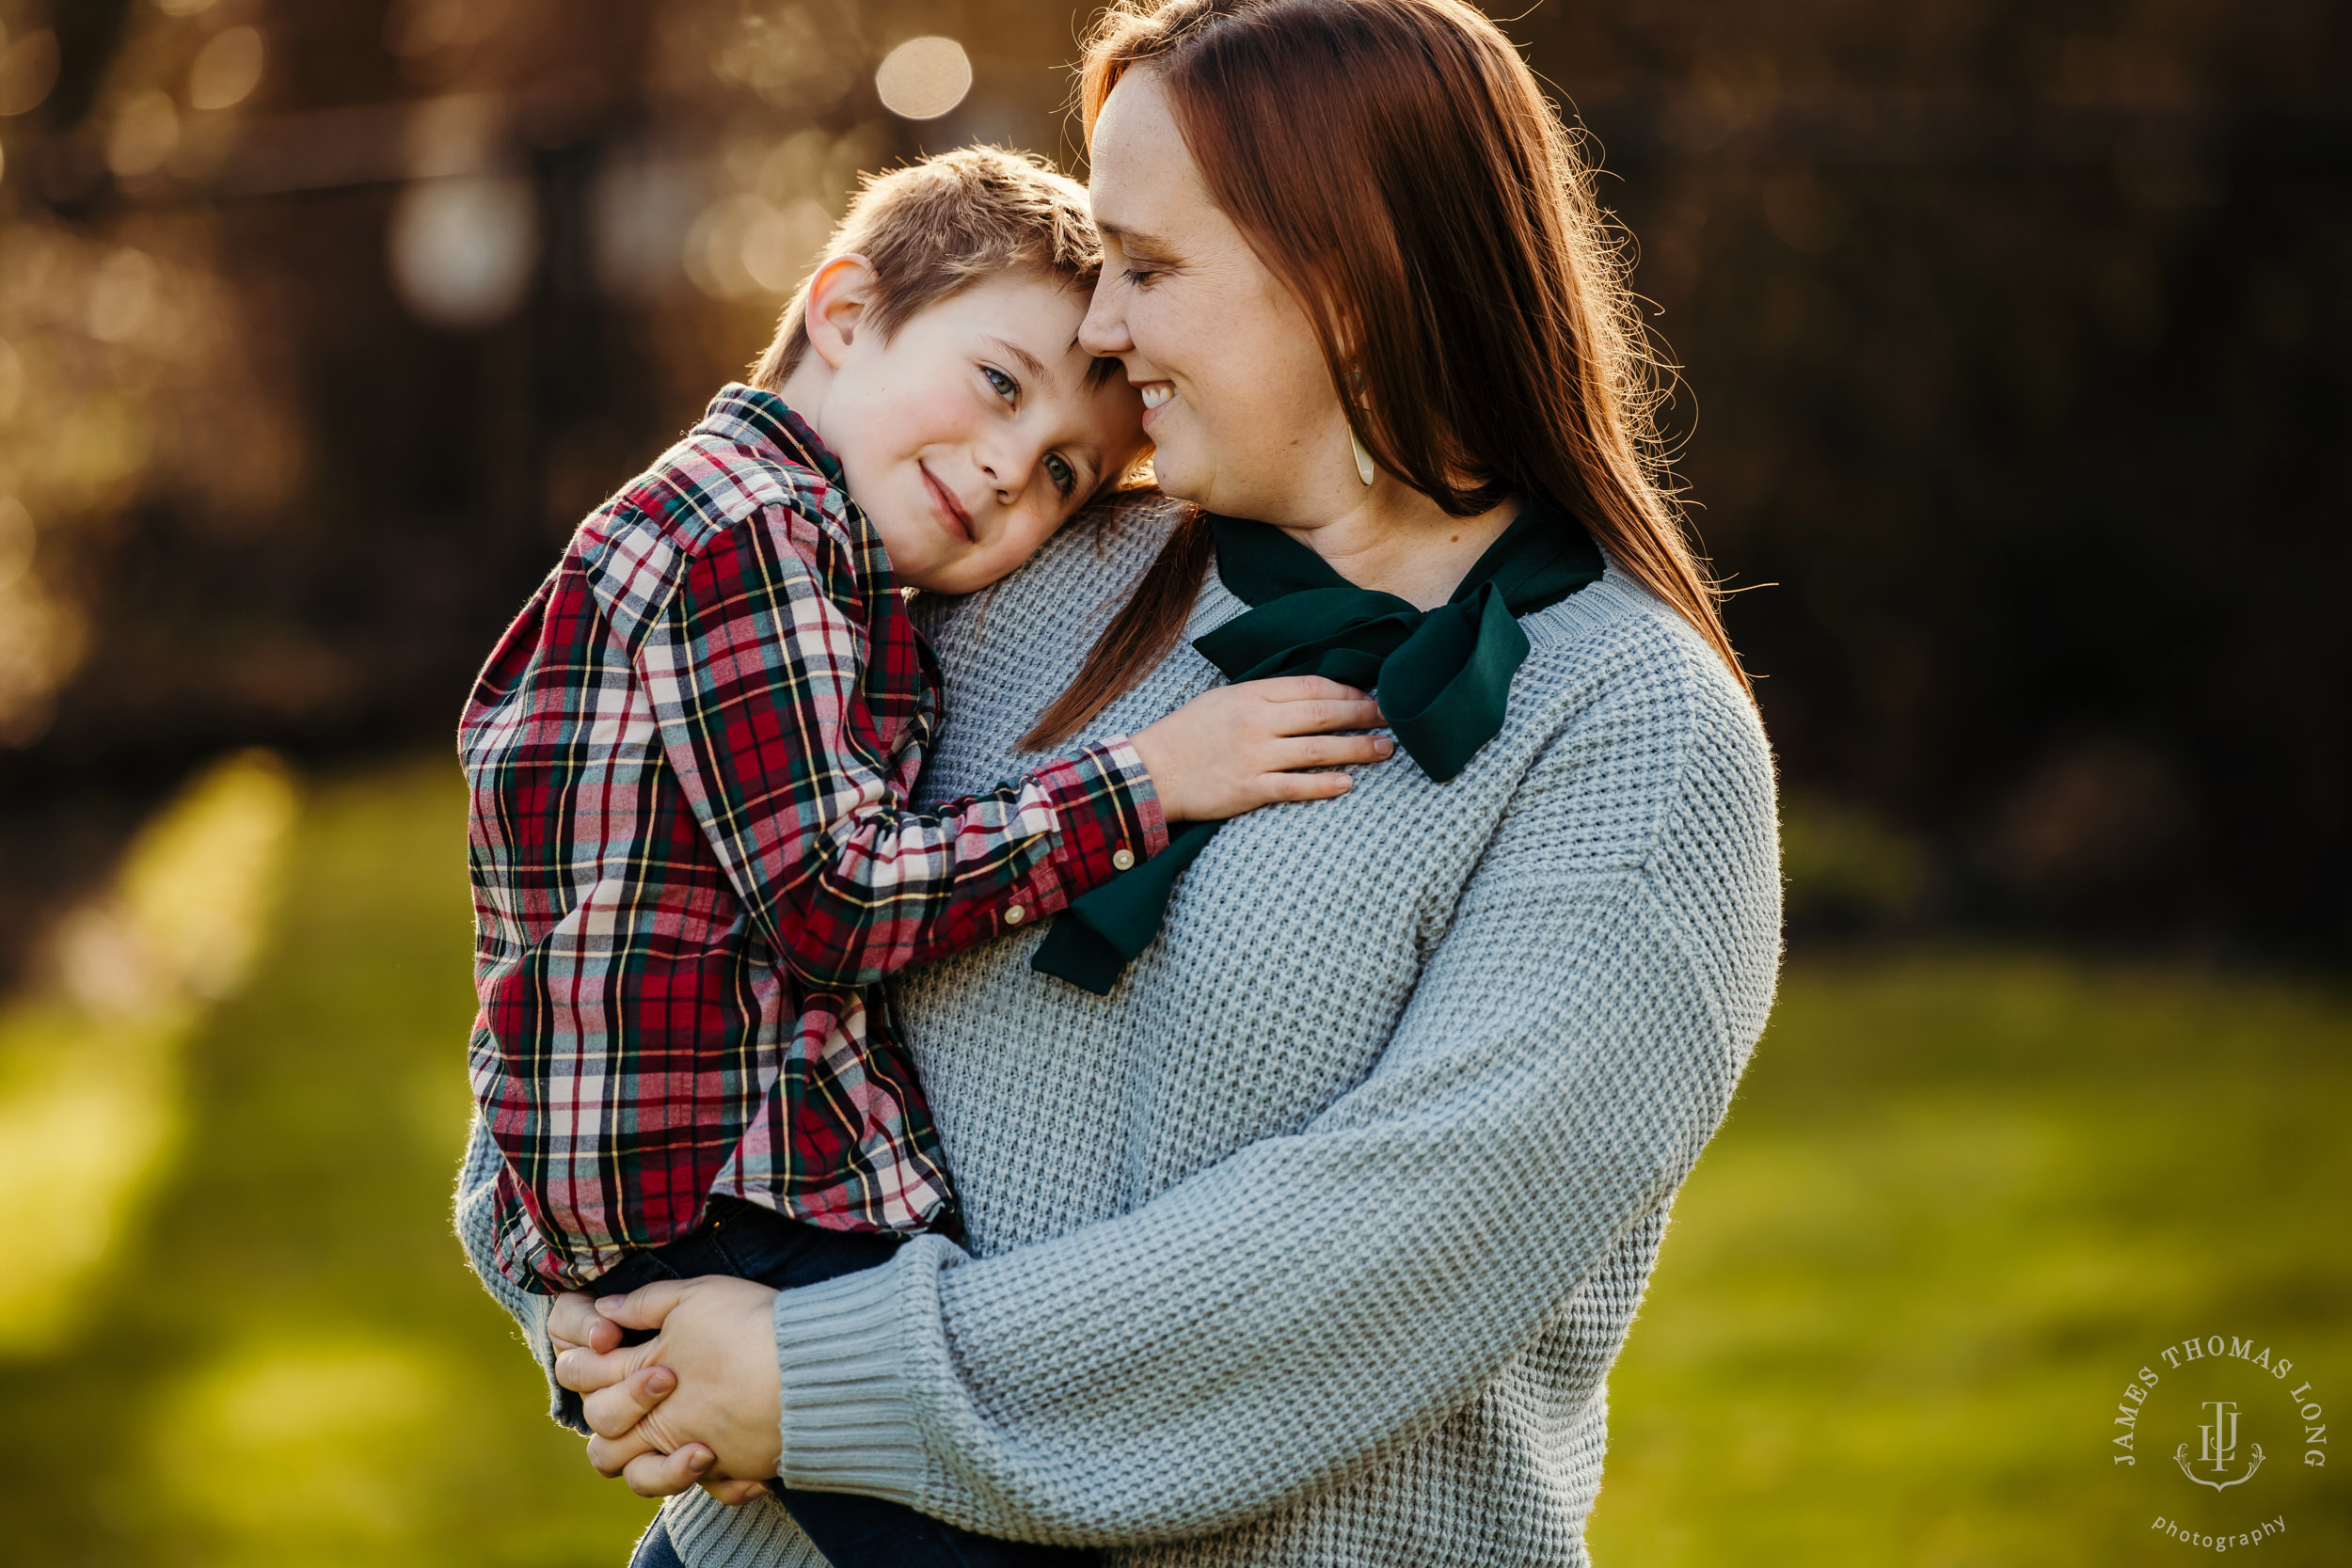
(754,675)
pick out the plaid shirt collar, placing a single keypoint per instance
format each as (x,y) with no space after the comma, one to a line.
(747,416)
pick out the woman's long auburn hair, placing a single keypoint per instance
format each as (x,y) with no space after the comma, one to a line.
(1395,163)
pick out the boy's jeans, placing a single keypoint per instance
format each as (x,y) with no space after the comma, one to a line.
(748,1241)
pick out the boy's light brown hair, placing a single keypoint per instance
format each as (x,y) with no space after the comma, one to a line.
(936,228)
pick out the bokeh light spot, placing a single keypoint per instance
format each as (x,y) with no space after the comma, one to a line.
(121,296)
(462,248)
(143,135)
(17,540)
(924,78)
(643,201)
(715,247)
(28,69)
(226,68)
(779,245)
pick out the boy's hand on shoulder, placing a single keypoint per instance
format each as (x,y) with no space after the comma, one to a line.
(1236,748)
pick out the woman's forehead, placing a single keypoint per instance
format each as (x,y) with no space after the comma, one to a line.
(1144,179)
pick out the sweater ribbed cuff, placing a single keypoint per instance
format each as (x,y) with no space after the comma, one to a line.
(532,1312)
(849,1418)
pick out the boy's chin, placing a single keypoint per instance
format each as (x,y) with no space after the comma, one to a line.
(915,557)
(945,579)
(933,571)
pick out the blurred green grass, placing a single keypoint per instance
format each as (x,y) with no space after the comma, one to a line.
(286,1361)
(1959,1199)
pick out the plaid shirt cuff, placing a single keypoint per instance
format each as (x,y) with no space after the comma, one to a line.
(1108,820)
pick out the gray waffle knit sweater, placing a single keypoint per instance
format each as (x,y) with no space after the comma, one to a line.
(1312,1244)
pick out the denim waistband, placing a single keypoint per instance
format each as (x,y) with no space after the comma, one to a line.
(747,1241)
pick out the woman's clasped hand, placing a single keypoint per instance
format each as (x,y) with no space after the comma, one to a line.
(661,1422)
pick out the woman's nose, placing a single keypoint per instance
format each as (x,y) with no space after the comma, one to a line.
(1103,332)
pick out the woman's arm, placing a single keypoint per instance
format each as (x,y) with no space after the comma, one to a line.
(1314,1302)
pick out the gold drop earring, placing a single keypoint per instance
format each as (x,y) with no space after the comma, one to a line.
(1356,442)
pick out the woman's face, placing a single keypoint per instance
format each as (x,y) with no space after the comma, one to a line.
(1238,402)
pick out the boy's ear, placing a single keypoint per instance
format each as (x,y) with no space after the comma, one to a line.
(840,296)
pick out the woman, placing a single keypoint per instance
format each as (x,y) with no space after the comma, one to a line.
(1311,1239)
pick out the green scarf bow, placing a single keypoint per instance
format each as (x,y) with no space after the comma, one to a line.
(1443,677)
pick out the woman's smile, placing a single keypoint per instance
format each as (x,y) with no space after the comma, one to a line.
(1157,395)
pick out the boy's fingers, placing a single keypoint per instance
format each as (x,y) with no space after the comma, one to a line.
(1305,786)
(1326,714)
(1305,689)
(1328,750)
(573,1319)
(643,1308)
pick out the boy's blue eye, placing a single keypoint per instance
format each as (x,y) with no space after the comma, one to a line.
(1065,478)
(1007,388)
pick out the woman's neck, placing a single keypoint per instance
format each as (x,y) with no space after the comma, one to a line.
(1396,540)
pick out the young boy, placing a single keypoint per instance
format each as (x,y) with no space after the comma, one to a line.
(691,757)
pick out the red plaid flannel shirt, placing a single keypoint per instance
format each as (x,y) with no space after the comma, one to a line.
(694,859)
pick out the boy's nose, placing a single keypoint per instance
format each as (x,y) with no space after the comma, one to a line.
(1007,469)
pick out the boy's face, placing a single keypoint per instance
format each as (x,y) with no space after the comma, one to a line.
(974,431)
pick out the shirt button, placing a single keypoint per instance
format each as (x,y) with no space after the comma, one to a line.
(1015,914)
(1122,859)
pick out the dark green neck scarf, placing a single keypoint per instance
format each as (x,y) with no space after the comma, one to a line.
(1443,677)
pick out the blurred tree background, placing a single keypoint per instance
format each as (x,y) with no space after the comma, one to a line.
(2011,400)
(2012,393)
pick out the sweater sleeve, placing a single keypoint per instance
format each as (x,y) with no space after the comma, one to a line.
(472,1215)
(1286,1319)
